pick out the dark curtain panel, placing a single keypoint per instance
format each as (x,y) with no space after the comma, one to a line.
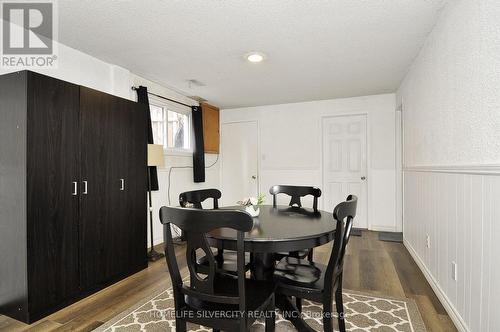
(199,146)
(142,97)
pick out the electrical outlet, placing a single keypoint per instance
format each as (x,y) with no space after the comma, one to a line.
(427,241)
(454,271)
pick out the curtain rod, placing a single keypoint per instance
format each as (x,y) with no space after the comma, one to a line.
(172,100)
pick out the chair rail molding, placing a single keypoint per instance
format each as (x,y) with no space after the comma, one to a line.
(485,169)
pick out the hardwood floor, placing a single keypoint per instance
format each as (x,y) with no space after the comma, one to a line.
(383,268)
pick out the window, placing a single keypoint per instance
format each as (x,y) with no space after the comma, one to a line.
(171,125)
(177,130)
(157,123)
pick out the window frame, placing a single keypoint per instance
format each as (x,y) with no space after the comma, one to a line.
(171,106)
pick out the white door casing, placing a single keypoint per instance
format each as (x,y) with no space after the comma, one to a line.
(240,157)
(345,163)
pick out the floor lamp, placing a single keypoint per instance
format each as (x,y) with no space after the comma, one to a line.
(155,158)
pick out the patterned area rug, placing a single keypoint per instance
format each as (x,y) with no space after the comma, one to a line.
(363,313)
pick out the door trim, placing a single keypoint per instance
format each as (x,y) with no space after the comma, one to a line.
(399,158)
(221,169)
(368,159)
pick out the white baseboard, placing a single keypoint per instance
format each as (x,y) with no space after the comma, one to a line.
(445,301)
(383,228)
(157,240)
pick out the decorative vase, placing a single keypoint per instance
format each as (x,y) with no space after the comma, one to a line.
(254,211)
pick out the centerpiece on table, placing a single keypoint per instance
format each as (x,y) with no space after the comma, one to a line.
(251,204)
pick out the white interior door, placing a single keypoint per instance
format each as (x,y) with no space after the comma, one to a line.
(344,163)
(239,145)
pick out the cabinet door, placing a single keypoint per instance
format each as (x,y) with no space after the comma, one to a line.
(133,171)
(211,135)
(52,204)
(100,165)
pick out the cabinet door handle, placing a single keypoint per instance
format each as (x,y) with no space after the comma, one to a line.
(75,188)
(85,187)
(122,184)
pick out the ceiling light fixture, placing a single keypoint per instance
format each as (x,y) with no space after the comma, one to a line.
(255,57)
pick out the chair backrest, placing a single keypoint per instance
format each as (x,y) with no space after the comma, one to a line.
(195,223)
(196,197)
(343,214)
(296,192)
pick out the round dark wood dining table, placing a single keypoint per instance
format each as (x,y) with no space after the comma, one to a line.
(277,229)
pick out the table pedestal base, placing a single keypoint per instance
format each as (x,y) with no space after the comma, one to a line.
(290,312)
(263,266)
(263,269)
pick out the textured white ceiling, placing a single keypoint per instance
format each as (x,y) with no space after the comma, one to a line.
(316,49)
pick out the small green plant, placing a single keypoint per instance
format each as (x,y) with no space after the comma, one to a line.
(261,199)
(252,201)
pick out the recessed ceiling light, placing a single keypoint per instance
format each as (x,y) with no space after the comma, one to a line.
(255,57)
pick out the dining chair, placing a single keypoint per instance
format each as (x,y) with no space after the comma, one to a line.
(197,197)
(304,279)
(296,192)
(226,260)
(212,299)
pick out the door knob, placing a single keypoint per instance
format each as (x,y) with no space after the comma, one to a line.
(254,177)
(363,178)
(85,187)
(122,184)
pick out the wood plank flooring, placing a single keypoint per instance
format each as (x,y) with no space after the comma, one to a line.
(373,266)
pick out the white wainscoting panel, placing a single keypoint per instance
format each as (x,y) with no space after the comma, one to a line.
(459,209)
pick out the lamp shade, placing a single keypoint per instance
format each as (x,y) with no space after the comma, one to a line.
(155,155)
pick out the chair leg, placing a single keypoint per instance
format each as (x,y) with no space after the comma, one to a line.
(243,326)
(310,255)
(180,325)
(219,258)
(298,303)
(340,307)
(327,315)
(271,316)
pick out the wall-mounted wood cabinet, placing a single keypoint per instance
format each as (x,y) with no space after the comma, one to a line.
(211,134)
(72,192)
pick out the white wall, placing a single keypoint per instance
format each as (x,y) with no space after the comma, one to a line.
(181,180)
(290,147)
(450,95)
(82,69)
(451,110)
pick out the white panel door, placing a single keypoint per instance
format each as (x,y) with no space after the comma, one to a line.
(239,145)
(344,163)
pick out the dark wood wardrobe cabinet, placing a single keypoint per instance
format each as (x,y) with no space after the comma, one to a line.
(72,192)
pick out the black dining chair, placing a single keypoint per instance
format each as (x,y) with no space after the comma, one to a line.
(197,197)
(295,193)
(226,260)
(304,279)
(212,299)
